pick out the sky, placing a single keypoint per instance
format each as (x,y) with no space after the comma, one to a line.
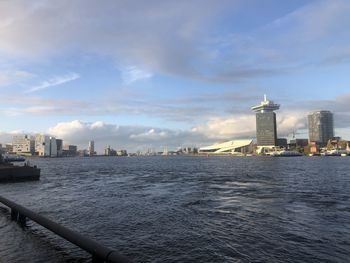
(142,75)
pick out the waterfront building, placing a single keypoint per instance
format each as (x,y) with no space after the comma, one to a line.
(298,144)
(23,144)
(45,146)
(266,128)
(282,142)
(69,150)
(236,147)
(91,149)
(321,127)
(313,148)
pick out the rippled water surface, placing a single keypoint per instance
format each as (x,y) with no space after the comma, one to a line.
(186,209)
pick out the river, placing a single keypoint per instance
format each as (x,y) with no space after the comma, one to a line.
(186,209)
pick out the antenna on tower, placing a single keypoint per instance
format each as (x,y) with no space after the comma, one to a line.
(265,97)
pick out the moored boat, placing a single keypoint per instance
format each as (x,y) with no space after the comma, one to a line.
(14,173)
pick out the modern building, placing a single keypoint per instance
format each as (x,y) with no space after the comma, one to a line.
(45,146)
(59,144)
(321,128)
(238,147)
(23,144)
(266,127)
(91,149)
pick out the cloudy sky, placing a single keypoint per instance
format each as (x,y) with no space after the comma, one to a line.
(150,74)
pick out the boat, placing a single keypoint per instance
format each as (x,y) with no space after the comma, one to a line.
(284,153)
(332,153)
(13,158)
(14,173)
(314,154)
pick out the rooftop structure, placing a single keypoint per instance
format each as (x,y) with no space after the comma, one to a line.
(266,106)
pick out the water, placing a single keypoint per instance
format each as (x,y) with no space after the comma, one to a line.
(186,209)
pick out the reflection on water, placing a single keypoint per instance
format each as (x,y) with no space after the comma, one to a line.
(186,209)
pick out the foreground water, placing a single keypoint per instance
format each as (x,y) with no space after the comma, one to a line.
(186,209)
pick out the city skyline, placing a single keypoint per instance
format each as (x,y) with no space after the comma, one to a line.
(184,72)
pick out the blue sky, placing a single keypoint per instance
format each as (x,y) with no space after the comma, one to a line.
(150,74)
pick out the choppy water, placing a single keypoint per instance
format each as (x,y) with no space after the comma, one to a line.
(186,209)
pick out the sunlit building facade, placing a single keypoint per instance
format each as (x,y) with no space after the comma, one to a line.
(23,144)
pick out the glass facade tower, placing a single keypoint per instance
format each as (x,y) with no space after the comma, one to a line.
(321,127)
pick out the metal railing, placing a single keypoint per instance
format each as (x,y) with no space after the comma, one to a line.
(99,253)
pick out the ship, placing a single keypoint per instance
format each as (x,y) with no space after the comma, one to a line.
(284,153)
(15,173)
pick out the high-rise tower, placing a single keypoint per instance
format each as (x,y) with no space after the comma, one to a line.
(266,128)
(320,126)
(91,149)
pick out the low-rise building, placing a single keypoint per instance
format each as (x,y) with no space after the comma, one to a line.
(282,142)
(235,147)
(69,150)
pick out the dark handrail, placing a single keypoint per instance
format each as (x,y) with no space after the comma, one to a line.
(99,253)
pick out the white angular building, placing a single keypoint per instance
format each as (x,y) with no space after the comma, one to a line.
(23,144)
(45,146)
(235,147)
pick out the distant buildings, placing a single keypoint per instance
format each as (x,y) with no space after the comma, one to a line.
(266,128)
(321,128)
(109,151)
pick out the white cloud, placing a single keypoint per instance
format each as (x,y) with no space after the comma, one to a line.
(131,137)
(132,74)
(55,81)
(231,127)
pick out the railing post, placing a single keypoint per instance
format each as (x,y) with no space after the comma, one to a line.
(14,214)
(96,259)
(22,220)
